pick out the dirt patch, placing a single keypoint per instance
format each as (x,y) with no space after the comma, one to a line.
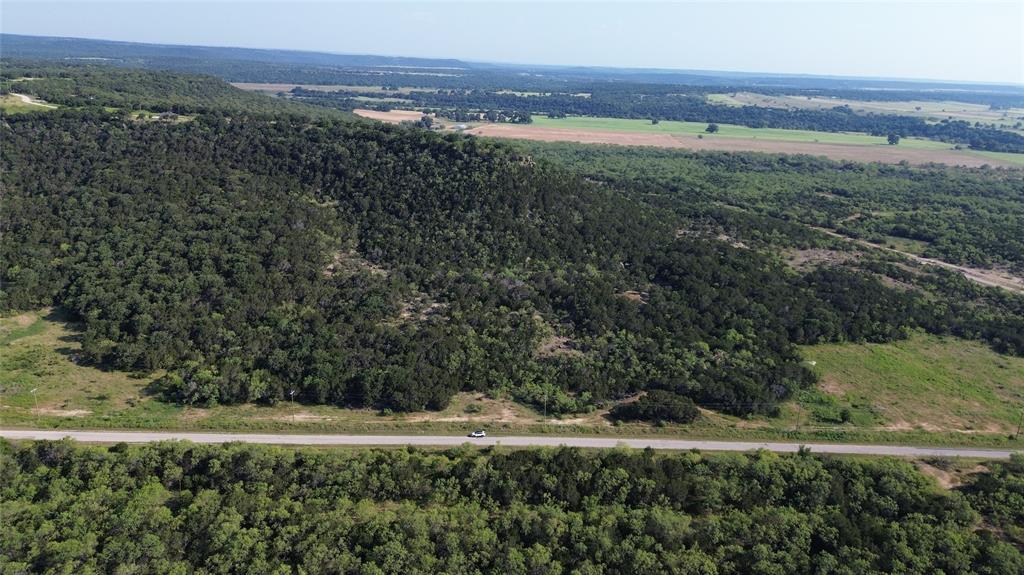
(557,345)
(392,117)
(23,320)
(947,476)
(194,414)
(301,417)
(831,387)
(898,425)
(639,297)
(61,412)
(32,101)
(813,257)
(349,261)
(880,153)
(573,421)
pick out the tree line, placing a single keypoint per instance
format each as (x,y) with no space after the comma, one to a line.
(184,508)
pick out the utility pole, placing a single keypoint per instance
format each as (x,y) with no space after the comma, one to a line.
(291,395)
(1020,420)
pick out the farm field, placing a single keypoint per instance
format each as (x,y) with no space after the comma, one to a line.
(38,351)
(853,147)
(733,138)
(729,131)
(919,108)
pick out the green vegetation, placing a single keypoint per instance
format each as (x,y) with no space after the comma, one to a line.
(1004,156)
(925,381)
(999,496)
(42,351)
(659,406)
(183,508)
(138,91)
(12,104)
(239,258)
(962,216)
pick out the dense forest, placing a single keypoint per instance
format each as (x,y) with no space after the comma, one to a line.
(365,265)
(620,102)
(184,508)
(132,90)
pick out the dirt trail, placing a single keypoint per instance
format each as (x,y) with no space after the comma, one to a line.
(30,100)
(989,278)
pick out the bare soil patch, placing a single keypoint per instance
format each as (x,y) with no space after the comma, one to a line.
(61,412)
(635,296)
(394,116)
(883,153)
(24,320)
(194,414)
(805,259)
(556,345)
(301,417)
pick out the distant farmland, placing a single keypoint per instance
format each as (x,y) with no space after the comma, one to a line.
(731,138)
(689,135)
(927,109)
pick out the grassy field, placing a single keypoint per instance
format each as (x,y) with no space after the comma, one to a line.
(729,131)
(1017,159)
(39,351)
(925,382)
(12,104)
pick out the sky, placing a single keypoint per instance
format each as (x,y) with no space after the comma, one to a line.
(977,41)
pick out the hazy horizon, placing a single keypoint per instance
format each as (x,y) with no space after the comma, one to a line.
(962,42)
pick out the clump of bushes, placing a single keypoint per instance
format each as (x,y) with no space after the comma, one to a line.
(658,405)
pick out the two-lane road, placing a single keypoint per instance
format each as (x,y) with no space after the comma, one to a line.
(511,441)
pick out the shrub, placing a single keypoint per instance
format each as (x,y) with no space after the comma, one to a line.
(658,405)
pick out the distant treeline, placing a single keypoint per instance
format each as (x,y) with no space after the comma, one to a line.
(180,508)
(128,89)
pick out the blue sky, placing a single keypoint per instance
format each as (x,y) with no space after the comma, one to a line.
(979,40)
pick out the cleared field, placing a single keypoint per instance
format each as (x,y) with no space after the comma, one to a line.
(930,110)
(392,117)
(925,382)
(729,131)
(39,351)
(919,152)
(19,104)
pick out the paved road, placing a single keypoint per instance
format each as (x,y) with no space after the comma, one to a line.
(521,441)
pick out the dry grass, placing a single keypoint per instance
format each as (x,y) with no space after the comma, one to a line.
(851,152)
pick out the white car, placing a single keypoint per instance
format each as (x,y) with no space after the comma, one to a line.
(478,433)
